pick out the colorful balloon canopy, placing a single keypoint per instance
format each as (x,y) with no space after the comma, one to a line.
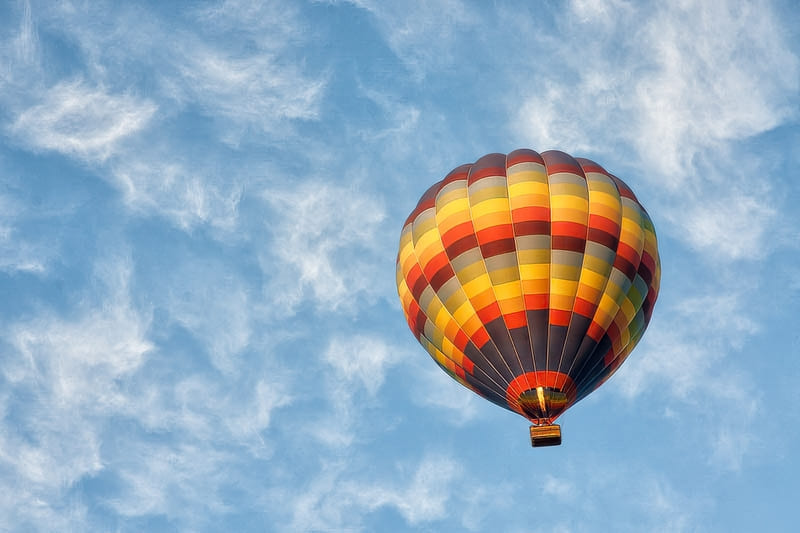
(529,278)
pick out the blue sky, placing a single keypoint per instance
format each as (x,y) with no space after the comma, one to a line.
(199,215)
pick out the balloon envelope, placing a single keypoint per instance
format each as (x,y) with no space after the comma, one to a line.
(529,278)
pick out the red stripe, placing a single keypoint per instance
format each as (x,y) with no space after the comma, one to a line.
(495,233)
(419,323)
(516,320)
(461,340)
(569,229)
(419,283)
(468,365)
(427,201)
(459,231)
(584,308)
(489,313)
(435,264)
(623,188)
(647,268)
(628,252)
(625,266)
(537,302)
(603,223)
(559,317)
(530,213)
(613,333)
(595,331)
(480,338)
(488,165)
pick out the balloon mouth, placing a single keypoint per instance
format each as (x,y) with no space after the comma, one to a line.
(540,396)
(543,404)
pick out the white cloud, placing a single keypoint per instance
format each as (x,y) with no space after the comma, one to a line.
(712,81)
(68,379)
(77,361)
(255,90)
(179,191)
(687,359)
(609,493)
(336,500)
(26,42)
(733,226)
(426,496)
(205,297)
(70,370)
(686,80)
(18,254)
(359,364)
(79,120)
(234,64)
(171,481)
(418,33)
(360,358)
(232,411)
(446,397)
(324,246)
(677,84)
(559,488)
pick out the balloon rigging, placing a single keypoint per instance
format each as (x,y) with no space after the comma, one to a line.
(529,278)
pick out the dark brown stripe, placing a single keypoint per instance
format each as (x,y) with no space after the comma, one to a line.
(463,244)
(498,247)
(441,277)
(564,242)
(532,227)
(601,237)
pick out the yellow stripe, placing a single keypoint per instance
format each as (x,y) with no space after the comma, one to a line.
(493,205)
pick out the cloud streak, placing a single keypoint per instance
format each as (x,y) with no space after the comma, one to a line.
(324,246)
(74,119)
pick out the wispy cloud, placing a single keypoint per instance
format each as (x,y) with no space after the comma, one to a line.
(254,90)
(324,247)
(360,359)
(592,494)
(177,190)
(70,379)
(730,226)
(76,119)
(337,500)
(418,33)
(689,356)
(234,65)
(149,482)
(444,397)
(20,253)
(676,85)
(70,372)
(359,365)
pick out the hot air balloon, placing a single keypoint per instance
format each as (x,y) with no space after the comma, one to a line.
(529,278)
